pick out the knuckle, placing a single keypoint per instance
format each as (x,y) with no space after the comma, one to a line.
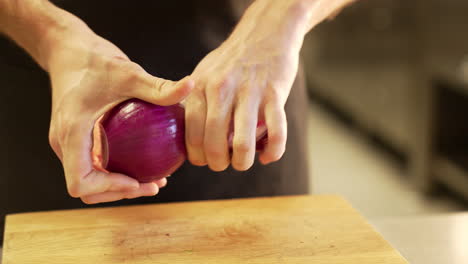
(120,64)
(111,64)
(126,75)
(74,189)
(224,83)
(60,132)
(192,109)
(130,79)
(245,91)
(214,123)
(275,95)
(222,88)
(194,134)
(277,137)
(242,146)
(116,65)
(216,98)
(195,141)
(159,90)
(61,135)
(214,150)
(52,137)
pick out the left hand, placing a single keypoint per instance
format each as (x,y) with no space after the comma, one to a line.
(247,79)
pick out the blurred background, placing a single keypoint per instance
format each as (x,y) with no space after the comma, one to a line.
(388,82)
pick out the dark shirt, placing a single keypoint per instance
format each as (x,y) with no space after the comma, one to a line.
(168,38)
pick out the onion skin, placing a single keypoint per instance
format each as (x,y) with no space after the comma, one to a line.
(146,141)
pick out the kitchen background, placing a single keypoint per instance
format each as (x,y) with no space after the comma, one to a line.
(388,81)
(388,84)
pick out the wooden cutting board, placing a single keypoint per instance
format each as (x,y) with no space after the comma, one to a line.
(294,229)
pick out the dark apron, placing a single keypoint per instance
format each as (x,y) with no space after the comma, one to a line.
(168,38)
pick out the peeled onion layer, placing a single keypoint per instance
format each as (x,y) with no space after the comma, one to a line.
(146,141)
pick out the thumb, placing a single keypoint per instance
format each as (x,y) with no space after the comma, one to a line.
(160,91)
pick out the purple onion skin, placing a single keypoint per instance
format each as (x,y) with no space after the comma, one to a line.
(145,141)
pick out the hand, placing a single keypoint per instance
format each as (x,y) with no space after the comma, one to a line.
(245,80)
(89,76)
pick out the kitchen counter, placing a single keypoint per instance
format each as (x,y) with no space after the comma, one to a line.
(428,239)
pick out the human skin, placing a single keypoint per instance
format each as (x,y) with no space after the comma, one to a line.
(254,70)
(248,78)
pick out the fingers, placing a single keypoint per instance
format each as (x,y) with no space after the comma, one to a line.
(157,90)
(217,126)
(82,179)
(161,183)
(71,134)
(207,128)
(275,118)
(245,126)
(195,116)
(99,182)
(146,189)
(169,92)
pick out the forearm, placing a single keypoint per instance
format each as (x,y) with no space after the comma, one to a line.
(36,26)
(315,11)
(287,21)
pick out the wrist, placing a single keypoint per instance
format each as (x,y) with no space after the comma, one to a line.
(279,24)
(313,12)
(298,17)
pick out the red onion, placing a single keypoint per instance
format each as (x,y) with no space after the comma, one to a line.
(146,141)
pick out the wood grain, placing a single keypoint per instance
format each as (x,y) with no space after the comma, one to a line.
(295,229)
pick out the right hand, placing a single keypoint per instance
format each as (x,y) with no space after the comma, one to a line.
(89,76)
